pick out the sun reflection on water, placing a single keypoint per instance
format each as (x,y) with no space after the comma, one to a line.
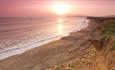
(60,26)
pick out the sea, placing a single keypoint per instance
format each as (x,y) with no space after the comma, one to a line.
(19,34)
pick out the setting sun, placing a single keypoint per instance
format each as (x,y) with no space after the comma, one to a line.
(60,8)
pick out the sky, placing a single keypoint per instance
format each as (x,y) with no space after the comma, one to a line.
(34,8)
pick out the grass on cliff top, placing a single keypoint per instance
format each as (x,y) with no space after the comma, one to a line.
(109,31)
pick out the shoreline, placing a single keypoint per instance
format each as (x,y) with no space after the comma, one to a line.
(12,51)
(50,54)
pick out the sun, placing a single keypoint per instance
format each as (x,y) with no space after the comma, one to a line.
(60,8)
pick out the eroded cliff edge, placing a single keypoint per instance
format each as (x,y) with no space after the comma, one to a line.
(101,53)
(103,40)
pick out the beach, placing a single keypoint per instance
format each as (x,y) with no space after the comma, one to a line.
(20,34)
(51,54)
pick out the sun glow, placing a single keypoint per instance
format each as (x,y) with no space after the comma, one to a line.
(60,8)
(60,26)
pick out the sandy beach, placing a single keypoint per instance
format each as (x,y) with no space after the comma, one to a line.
(52,54)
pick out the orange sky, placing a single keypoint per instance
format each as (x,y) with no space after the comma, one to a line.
(36,8)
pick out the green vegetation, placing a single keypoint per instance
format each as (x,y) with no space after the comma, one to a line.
(107,36)
(109,29)
(113,47)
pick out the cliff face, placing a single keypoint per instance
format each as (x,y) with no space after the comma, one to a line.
(98,56)
(102,39)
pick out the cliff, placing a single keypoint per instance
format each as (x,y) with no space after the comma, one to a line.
(100,55)
(103,40)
